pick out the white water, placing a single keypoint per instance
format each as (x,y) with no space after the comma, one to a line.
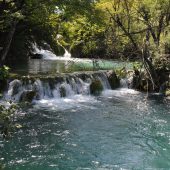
(76,91)
(69,86)
(48,55)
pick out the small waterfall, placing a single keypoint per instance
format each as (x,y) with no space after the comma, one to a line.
(66,54)
(104,80)
(55,87)
(124,83)
(65,88)
(49,55)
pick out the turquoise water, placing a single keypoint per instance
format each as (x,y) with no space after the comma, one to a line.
(121,129)
(36,66)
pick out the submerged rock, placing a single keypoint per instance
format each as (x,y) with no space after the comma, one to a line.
(96,87)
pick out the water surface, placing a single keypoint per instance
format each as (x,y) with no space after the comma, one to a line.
(121,129)
(61,65)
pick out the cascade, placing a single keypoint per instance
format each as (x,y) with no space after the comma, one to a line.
(66,54)
(49,55)
(29,88)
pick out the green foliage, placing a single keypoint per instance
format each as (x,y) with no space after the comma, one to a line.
(88,28)
(122,72)
(6,117)
(4,73)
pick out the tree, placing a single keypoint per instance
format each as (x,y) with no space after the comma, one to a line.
(10,15)
(144,24)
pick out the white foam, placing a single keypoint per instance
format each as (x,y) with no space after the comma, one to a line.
(76,101)
(120,92)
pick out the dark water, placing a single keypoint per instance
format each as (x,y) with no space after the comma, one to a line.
(36,66)
(119,130)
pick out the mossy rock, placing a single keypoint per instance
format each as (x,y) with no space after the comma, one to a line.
(113,79)
(27,96)
(96,87)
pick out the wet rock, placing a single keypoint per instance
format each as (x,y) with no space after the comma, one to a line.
(59,79)
(27,96)
(96,87)
(62,91)
(113,79)
(46,46)
(36,56)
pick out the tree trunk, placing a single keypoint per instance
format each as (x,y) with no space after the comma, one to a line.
(7,42)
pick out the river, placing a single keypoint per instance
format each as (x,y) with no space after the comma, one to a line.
(120,129)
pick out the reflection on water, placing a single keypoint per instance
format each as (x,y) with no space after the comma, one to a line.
(35,66)
(44,66)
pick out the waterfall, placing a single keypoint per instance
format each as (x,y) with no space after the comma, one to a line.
(124,83)
(49,55)
(66,54)
(54,87)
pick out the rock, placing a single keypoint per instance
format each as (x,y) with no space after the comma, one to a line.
(27,96)
(36,56)
(96,87)
(114,81)
(46,46)
(62,91)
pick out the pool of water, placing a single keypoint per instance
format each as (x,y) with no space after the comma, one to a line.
(61,65)
(121,129)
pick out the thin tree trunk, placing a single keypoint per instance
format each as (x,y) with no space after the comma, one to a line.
(7,42)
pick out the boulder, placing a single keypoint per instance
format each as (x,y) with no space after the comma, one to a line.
(96,87)
(27,96)
(113,79)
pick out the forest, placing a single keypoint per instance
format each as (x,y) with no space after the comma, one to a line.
(109,29)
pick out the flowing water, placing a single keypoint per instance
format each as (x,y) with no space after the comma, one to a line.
(120,129)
